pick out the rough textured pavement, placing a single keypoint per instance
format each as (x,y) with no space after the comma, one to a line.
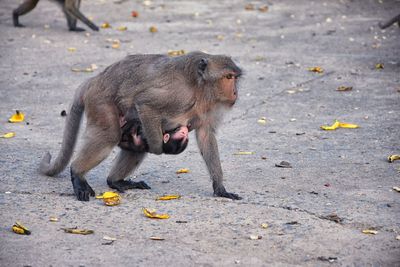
(342,172)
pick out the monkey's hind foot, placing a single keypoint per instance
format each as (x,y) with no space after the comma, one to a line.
(223,193)
(81,187)
(77,29)
(123,185)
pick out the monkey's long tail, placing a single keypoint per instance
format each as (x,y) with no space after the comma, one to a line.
(69,140)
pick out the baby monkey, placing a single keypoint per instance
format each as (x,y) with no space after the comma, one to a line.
(175,140)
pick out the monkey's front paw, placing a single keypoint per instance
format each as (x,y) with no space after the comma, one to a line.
(81,187)
(223,193)
(82,190)
(123,185)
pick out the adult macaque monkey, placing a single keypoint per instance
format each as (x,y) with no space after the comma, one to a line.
(69,7)
(190,90)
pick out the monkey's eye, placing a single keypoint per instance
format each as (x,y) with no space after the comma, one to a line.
(230,76)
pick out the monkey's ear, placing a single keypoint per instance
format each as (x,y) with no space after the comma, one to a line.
(166,138)
(202,66)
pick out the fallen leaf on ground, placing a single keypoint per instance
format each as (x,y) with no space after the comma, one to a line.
(379,66)
(168,197)
(264,225)
(348,125)
(116,44)
(396,188)
(151,213)
(158,238)
(283,164)
(255,237)
(338,124)
(182,171)
(18,228)
(176,52)
(77,231)
(8,135)
(153,29)
(398,237)
(88,69)
(109,238)
(220,37)
(53,219)
(369,231)
(263,8)
(344,88)
(392,158)
(135,14)
(122,28)
(105,25)
(316,69)
(17,117)
(262,120)
(249,7)
(110,198)
(244,153)
(71,49)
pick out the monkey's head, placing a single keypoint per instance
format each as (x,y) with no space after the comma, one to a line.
(219,76)
(175,141)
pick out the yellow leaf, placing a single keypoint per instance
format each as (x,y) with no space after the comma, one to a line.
(334,126)
(53,219)
(344,88)
(122,28)
(392,158)
(151,213)
(8,135)
(168,197)
(71,49)
(153,29)
(262,120)
(17,117)
(396,188)
(316,69)
(379,66)
(105,25)
(370,231)
(347,125)
(244,153)
(176,52)
(116,44)
(78,231)
(182,171)
(18,228)
(264,225)
(110,198)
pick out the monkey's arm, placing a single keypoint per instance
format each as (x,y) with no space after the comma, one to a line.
(209,150)
(151,124)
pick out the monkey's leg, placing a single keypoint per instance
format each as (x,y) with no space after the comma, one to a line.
(209,150)
(71,20)
(126,162)
(390,22)
(91,154)
(73,10)
(24,8)
(102,135)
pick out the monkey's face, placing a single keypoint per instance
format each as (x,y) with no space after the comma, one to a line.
(176,141)
(228,88)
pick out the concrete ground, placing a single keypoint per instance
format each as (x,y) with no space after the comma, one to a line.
(340,182)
